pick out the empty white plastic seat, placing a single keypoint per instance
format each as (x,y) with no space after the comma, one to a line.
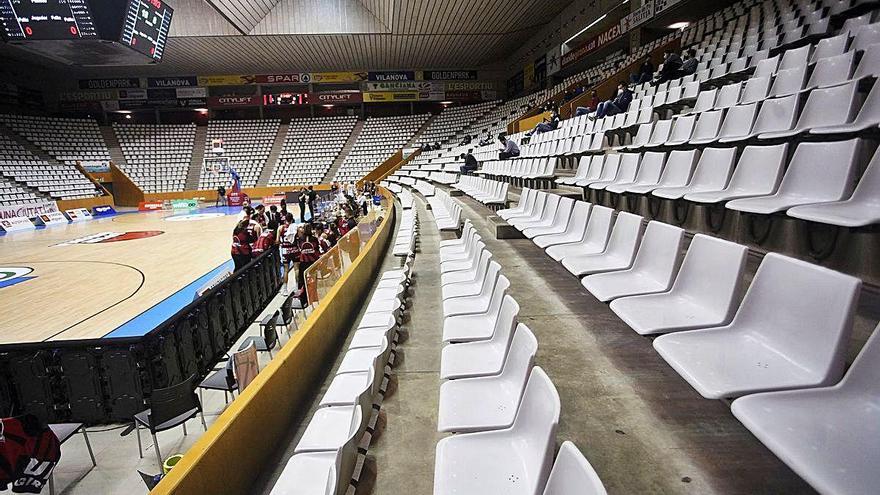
(481,357)
(809,178)
(866,36)
(682,129)
(642,137)
(466,264)
(330,428)
(558,223)
(479,303)
(831,71)
(867,118)
(791,331)
(789,82)
(695,300)
(581,173)
(536,206)
(758,173)
(572,474)
(574,230)
(618,253)
(489,403)
(738,122)
(677,173)
(862,209)
(525,199)
(512,461)
(828,435)
(542,218)
(594,172)
(728,96)
(869,65)
(660,133)
(624,171)
(652,270)
(829,47)
(777,114)
(712,173)
(825,107)
(649,172)
(756,90)
(707,127)
(486,270)
(594,239)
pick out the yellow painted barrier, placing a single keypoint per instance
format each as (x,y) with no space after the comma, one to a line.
(235,450)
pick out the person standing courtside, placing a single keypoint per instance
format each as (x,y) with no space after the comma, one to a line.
(312,198)
(303,193)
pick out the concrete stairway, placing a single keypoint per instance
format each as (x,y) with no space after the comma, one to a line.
(412,142)
(198,159)
(358,126)
(113,146)
(272,160)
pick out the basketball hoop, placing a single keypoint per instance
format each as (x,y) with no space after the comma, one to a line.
(217,146)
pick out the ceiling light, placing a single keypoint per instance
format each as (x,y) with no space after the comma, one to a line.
(679,25)
(446,103)
(128,115)
(328,105)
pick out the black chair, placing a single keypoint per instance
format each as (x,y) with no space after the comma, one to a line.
(222,379)
(169,407)
(270,335)
(63,431)
(288,311)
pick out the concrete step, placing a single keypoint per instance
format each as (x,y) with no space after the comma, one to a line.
(113,146)
(272,160)
(197,161)
(346,149)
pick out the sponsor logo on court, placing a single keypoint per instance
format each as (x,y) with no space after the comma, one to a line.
(193,217)
(11,275)
(104,237)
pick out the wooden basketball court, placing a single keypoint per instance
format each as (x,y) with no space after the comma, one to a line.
(90,278)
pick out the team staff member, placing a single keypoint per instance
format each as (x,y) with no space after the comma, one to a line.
(266,241)
(289,236)
(312,197)
(302,204)
(241,245)
(309,252)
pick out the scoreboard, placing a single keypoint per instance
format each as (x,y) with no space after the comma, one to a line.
(77,25)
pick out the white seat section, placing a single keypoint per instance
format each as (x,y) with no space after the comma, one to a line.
(535,207)
(737,122)
(489,403)
(867,118)
(694,300)
(558,223)
(468,275)
(594,172)
(789,82)
(829,435)
(618,253)
(542,219)
(652,270)
(831,71)
(825,107)
(481,302)
(483,326)
(525,199)
(862,209)
(512,461)
(485,269)
(609,170)
(594,239)
(758,173)
(642,137)
(778,114)
(467,264)
(625,172)
(649,172)
(581,173)
(311,473)
(462,252)
(679,168)
(574,230)
(330,429)
(809,179)
(682,129)
(660,133)
(572,474)
(712,173)
(790,331)
(707,127)
(481,351)
(755,90)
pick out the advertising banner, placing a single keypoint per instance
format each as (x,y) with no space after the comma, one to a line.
(103,211)
(150,205)
(552,58)
(108,94)
(117,83)
(464,95)
(450,75)
(191,92)
(132,94)
(592,45)
(430,86)
(78,215)
(398,96)
(192,102)
(27,209)
(637,17)
(52,218)
(172,82)
(184,204)
(96,168)
(15,224)
(338,77)
(468,85)
(336,97)
(386,76)
(231,80)
(233,101)
(162,97)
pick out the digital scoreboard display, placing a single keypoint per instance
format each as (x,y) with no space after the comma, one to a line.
(146,26)
(47,20)
(78,31)
(286,99)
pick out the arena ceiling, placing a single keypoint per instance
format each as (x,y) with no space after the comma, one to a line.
(266,36)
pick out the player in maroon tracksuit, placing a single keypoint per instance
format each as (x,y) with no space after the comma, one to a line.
(309,253)
(266,241)
(29,450)
(241,244)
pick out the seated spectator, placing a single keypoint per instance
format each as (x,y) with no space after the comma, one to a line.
(486,141)
(426,147)
(645,73)
(550,123)
(466,140)
(690,64)
(436,146)
(470,162)
(671,67)
(511,150)
(594,104)
(619,104)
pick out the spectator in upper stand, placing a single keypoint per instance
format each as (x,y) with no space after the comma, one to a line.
(486,141)
(619,104)
(645,73)
(550,123)
(426,147)
(671,67)
(594,104)
(511,150)
(466,140)
(470,162)
(689,66)
(436,146)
